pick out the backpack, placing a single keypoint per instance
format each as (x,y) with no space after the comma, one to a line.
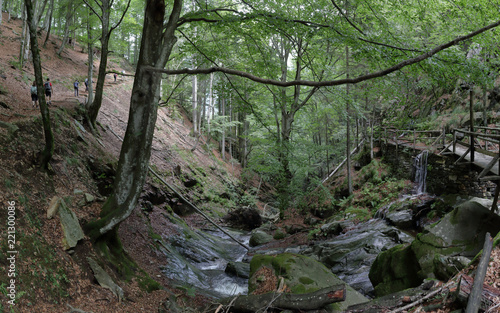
(47,85)
(33,90)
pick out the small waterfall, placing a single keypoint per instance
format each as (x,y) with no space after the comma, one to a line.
(421,171)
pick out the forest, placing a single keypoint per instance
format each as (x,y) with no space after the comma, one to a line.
(286,92)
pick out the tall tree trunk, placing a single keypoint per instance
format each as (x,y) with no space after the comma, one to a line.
(194,98)
(348,137)
(242,140)
(25,39)
(40,9)
(135,153)
(69,14)
(223,138)
(48,22)
(1,10)
(95,105)
(90,71)
(48,151)
(210,102)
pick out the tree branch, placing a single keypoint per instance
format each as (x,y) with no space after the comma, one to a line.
(121,18)
(345,16)
(93,10)
(355,80)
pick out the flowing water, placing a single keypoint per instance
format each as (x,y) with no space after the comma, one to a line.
(420,164)
(197,259)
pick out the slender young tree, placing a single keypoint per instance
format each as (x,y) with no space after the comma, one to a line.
(105,7)
(48,151)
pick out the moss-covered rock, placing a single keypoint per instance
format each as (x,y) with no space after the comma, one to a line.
(259,237)
(459,233)
(300,274)
(394,270)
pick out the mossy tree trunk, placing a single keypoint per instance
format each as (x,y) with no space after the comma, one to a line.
(156,47)
(48,151)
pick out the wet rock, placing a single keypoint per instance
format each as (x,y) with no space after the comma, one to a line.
(238,269)
(259,238)
(335,228)
(401,219)
(351,254)
(300,274)
(459,233)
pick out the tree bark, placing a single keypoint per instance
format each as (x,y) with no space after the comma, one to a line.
(48,22)
(194,98)
(69,15)
(90,71)
(135,153)
(48,151)
(95,105)
(25,38)
(287,301)
(477,289)
(348,126)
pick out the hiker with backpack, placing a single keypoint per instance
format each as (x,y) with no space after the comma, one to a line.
(75,84)
(48,90)
(86,84)
(34,95)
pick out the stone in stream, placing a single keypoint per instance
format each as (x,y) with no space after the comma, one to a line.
(296,274)
(350,255)
(401,219)
(259,237)
(238,269)
(459,233)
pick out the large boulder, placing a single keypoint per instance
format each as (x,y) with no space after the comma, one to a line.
(297,274)
(350,255)
(459,233)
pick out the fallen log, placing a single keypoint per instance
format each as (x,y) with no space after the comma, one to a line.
(288,301)
(477,289)
(464,288)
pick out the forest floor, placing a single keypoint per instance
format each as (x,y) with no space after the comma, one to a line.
(49,279)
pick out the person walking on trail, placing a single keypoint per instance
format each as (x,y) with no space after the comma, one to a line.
(34,95)
(86,84)
(75,84)
(115,75)
(48,90)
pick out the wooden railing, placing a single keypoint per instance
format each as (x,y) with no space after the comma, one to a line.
(417,139)
(485,140)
